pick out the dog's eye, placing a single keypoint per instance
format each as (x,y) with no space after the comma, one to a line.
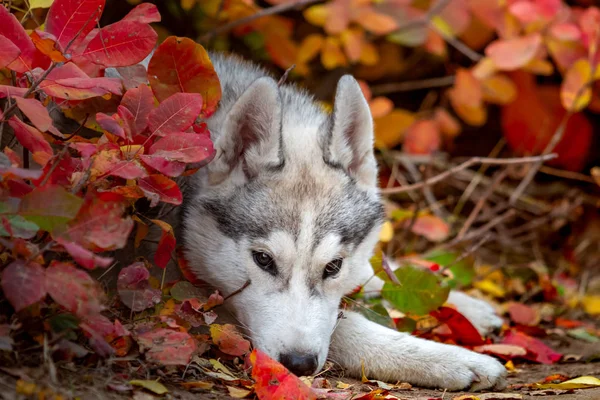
(332,268)
(265,262)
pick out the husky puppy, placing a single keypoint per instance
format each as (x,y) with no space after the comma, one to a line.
(290,203)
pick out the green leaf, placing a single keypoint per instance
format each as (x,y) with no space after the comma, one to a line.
(376,313)
(50,207)
(463,271)
(19,226)
(184,290)
(63,322)
(582,334)
(420,291)
(153,386)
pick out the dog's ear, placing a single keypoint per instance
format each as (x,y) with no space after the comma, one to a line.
(251,133)
(349,142)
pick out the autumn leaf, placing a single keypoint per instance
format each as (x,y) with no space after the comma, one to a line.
(391,128)
(167,347)
(23,283)
(274,381)
(576,91)
(422,137)
(145,12)
(29,58)
(121,44)
(50,207)
(161,164)
(184,147)
(536,349)
(229,340)
(153,386)
(182,65)
(160,188)
(523,314)
(431,227)
(32,140)
(463,332)
(71,20)
(140,102)
(83,256)
(100,223)
(506,351)
(175,114)
(134,288)
(8,51)
(71,82)
(37,114)
(466,98)
(166,244)
(512,54)
(74,289)
(46,43)
(419,291)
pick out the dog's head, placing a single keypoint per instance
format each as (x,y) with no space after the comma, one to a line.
(291,204)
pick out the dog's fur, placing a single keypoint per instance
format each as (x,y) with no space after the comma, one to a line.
(298,184)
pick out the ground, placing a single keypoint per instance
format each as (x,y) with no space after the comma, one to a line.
(91,383)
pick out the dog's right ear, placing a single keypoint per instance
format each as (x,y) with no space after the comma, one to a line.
(251,133)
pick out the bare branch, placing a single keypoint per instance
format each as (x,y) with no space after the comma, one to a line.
(467,164)
(408,86)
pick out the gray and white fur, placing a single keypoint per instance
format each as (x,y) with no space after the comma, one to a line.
(291,204)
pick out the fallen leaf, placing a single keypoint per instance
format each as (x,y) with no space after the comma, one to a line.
(583,382)
(523,314)
(166,346)
(153,386)
(536,349)
(229,340)
(134,288)
(23,283)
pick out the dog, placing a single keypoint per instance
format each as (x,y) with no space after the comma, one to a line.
(290,204)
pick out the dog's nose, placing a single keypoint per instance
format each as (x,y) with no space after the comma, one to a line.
(300,364)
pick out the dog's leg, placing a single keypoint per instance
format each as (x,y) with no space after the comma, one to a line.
(393,356)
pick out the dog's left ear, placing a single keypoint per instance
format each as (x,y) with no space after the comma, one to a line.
(349,142)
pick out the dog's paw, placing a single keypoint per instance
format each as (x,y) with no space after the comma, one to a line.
(464,369)
(481,314)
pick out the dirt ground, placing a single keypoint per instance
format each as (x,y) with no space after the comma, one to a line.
(91,383)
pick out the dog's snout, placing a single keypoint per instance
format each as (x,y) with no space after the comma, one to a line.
(300,364)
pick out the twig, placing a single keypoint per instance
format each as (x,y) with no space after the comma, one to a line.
(566,174)
(485,228)
(427,192)
(458,45)
(480,203)
(262,13)
(248,282)
(285,75)
(59,156)
(387,88)
(468,252)
(465,165)
(416,23)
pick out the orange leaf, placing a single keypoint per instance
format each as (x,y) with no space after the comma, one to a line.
(511,54)
(381,106)
(448,125)
(390,129)
(310,47)
(46,44)
(352,40)
(316,15)
(229,340)
(575,91)
(466,98)
(423,137)
(431,227)
(331,55)
(379,24)
(499,89)
(274,381)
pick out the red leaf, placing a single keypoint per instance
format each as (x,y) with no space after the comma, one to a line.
(8,51)
(274,381)
(11,91)
(166,244)
(184,147)
(145,12)
(182,65)
(167,347)
(29,58)
(536,349)
(23,283)
(70,82)
(135,290)
(37,114)
(32,140)
(422,137)
(121,44)
(84,257)
(73,19)
(46,43)
(111,124)
(140,102)
(512,54)
(175,114)
(506,351)
(100,223)
(191,311)
(133,76)
(463,332)
(523,314)
(159,187)
(229,340)
(167,167)
(74,289)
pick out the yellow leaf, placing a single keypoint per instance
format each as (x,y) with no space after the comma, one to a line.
(583,382)
(466,98)
(331,55)
(389,130)
(238,393)
(442,26)
(316,15)
(489,287)
(153,386)
(40,3)
(539,67)
(379,24)
(198,385)
(342,385)
(575,91)
(466,397)
(369,55)
(169,308)
(591,304)
(510,366)
(484,69)
(187,4)
(310,47)
(595,172)
(499,89)
(387,232)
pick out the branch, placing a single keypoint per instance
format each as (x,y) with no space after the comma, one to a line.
(408,86)
(416,23)
(262,13)
(467,164)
